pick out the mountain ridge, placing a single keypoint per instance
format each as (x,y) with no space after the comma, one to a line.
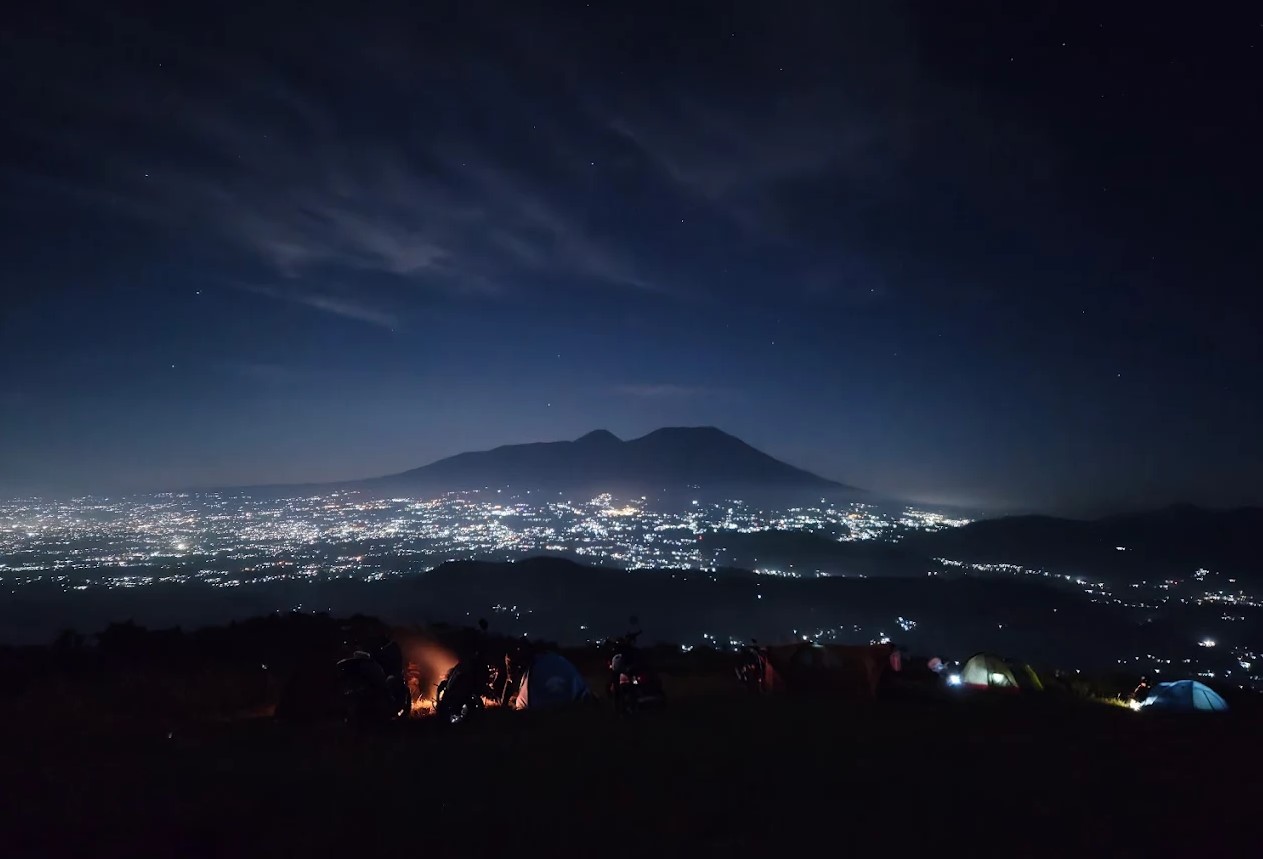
(1176,540)
(666,458)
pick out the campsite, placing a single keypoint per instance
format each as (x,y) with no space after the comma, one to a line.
(198,762)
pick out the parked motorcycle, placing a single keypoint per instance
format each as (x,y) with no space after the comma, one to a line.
(373,686)
(633,684)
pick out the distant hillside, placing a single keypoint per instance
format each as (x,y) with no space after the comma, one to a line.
(666,459)
(806,552)
(1174,541)
(562,601)
(557,599)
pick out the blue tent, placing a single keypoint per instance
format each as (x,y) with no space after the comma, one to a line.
(1184,696)
(551,681)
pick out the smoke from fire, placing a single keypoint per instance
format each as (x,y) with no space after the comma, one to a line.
(427,663)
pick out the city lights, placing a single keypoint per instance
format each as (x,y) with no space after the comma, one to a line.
(224,540)
(230,540)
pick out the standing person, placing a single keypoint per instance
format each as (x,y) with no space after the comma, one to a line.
(1141,692)
(511,668)
(518,663)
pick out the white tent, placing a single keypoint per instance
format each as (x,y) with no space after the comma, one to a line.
(988,671)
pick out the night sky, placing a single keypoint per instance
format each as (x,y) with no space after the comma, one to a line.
(977,253)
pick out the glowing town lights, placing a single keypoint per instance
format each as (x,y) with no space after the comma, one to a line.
(220,541)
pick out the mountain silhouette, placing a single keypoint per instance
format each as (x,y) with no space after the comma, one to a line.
(665,459)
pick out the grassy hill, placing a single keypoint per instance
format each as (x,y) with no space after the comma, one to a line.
(151,743)
(709,776)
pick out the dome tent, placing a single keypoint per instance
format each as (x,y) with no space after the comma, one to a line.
(988,671)
(550,681)
(1184,696)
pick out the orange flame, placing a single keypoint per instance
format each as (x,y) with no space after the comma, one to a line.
(428,663)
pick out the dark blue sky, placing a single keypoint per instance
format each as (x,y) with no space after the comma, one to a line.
(1003,256)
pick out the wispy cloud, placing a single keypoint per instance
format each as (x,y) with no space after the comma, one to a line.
(582,184)
(661,391)
(275,173)
(261,371)
(346,307)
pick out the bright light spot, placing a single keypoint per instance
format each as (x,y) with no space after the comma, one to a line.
(953,679)
(1207,642)
(997,677)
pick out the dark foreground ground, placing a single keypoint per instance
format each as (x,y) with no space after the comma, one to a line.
(708,777)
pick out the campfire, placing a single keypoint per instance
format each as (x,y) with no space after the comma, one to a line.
(427,664)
